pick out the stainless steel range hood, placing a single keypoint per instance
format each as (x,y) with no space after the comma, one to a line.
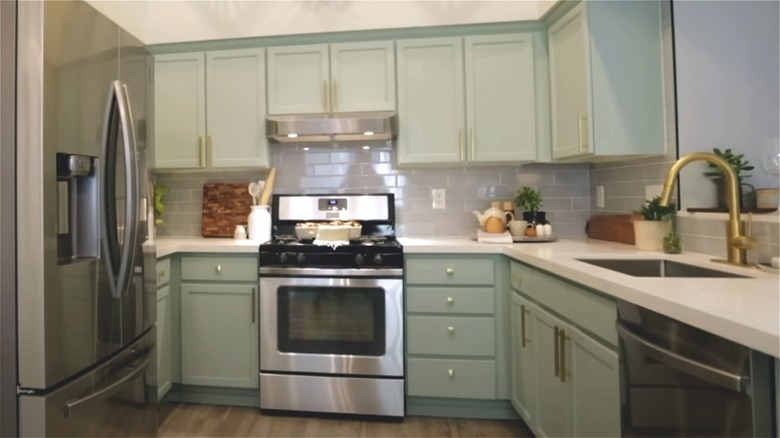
(332,127)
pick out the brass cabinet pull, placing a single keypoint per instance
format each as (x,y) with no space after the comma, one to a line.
(462,146)
(557,353)
(562,345)
(219,268)
(451,372)
(335,95)
(325,97)
(201,152)
(451,329)
(160,275)
(450,300)
(449,271)
(254,292)
(581,132)
(209,152)
(522,325)
(473,153)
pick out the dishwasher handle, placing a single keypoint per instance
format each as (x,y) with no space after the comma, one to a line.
(716,376)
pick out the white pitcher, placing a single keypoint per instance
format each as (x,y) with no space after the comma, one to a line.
(259,222)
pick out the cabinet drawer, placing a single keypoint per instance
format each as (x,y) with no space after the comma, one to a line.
(464,336)
(543,288)
(461,378)
(593,313)
(219,268)
(163,272)
(450,300)
(449,271)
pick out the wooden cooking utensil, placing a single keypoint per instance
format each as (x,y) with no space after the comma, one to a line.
(269,185)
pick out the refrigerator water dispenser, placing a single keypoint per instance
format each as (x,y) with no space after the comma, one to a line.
(78,230)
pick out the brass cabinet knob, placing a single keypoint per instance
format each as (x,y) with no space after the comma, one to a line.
(451,372)
(451,329)
(219,268)
(449,271)
(450,300)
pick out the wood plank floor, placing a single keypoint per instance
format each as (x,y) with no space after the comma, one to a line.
(189,420)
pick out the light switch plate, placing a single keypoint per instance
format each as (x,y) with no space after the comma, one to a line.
(439,198)
(599,196)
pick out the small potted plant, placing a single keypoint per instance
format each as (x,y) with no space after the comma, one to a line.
(159,203)
(653,226)
(740,166)
(530,200)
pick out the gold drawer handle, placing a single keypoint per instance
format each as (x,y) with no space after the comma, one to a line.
(451,329)
(219,268)
(450,271)
(451,372)
(450,300)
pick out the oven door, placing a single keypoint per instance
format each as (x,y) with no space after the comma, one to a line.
(332,325)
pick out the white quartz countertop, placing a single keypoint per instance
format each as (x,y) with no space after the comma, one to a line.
(744,310)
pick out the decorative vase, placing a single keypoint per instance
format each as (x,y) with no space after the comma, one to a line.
(747,194)
(649,235)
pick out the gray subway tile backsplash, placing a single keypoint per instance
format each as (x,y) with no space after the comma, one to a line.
(345,168)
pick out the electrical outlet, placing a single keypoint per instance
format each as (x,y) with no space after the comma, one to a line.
(439,198)
(653,190)
(599,196)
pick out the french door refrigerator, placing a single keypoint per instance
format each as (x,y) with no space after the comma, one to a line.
(85,316)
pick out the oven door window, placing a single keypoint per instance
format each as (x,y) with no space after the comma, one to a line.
(331,320)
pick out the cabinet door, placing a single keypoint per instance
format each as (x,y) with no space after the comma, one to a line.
(219,335)
(362,76)
(569,84)
(500,98)
(164,347)
(553,415)
(430,101)
(298,81)
(236,108)
(523,359)
(179,110)
(595,386)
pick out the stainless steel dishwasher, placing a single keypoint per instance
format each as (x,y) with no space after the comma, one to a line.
(677,380)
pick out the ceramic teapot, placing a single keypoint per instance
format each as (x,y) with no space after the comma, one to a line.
(492,220)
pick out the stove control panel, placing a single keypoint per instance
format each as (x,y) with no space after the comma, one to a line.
(331,260)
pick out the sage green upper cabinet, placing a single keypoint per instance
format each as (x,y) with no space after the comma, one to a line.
(468,100)
(606,81)
(323,78)
(431,114)
(179,110)
(210,110)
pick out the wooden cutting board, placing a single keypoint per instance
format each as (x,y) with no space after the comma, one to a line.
(612,227)
(225,205)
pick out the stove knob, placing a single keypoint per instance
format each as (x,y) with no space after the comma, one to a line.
(378,259)
(359,259)
(283,257)
(300,259)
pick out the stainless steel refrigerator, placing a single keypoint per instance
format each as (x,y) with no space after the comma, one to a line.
(85,311)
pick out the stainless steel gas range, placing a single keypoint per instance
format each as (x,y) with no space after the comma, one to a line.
(332,331)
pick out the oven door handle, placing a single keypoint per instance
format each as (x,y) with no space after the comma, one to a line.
(326,272)
(686,365)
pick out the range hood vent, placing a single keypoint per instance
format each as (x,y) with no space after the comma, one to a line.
(332,127)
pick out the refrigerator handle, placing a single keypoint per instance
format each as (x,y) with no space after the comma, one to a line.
(119,265)
(132,220)
(73,404)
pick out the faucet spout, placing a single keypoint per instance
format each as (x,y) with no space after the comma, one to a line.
(736,241)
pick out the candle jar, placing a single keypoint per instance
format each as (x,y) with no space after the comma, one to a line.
(672,244)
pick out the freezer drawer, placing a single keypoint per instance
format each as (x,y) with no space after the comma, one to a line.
(116,399)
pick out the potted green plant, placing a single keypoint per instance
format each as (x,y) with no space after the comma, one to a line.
(653,226)
(740,166)
(159,202)
(530,201)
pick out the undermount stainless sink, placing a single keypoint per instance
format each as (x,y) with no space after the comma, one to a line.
(658,268)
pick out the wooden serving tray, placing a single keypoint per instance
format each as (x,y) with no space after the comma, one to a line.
(523,239)
(225,205)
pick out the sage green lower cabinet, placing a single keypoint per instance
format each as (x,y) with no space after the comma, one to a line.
(164,329)
(455,341)
(219,317)
(564,360)
(164,347)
